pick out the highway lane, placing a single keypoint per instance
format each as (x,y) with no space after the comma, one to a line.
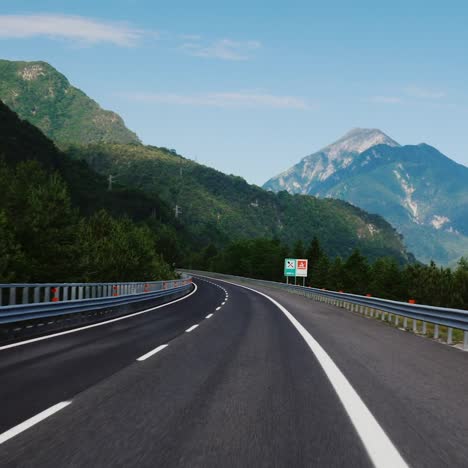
(36,375)
(242,389)
(415,387)
(245,389)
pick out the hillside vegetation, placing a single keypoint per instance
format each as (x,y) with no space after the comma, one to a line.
(59,223)
(217,208)
(40,94)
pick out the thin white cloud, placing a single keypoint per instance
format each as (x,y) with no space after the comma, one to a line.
(190,37)
(75,28)
(224,49)
(386,100)
(424,93)
(224,100)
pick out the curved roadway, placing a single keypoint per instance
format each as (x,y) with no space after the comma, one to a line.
(229,377)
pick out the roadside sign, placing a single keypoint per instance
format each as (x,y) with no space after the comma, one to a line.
(289,267)
(301,267)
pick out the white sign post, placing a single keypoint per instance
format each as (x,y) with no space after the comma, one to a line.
(301,268)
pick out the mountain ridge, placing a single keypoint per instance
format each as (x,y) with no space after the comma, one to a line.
(421,191)
(43,96)
(320,165)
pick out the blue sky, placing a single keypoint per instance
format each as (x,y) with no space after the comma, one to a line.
(250,87)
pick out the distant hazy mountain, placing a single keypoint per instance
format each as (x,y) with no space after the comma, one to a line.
(37,92)
(423,193)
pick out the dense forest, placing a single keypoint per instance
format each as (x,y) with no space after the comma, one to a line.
(59,222)
(384,277)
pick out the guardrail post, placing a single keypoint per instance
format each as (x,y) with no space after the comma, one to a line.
(465,340)
(47,294)
(25,298)
(37,295)
(436,331)
(415,326)
(449,335)
(12,296)
(424,328)
(80,292)
(405,323)
(397,320)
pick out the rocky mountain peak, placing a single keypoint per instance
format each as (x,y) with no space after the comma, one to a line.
(358,140)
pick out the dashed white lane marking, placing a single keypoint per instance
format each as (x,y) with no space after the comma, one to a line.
(100,324)
(152,352)
(191,328)
(217,308)
(222,303)
(32,421)
(379,447)
(209,316)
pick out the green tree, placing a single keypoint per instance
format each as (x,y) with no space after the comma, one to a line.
(298,249)
(386,280)
(356,273)
(11,257)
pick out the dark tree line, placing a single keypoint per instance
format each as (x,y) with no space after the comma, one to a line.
(43,237)
(385,278)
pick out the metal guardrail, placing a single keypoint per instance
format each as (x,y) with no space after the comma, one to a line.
(82,299)
(386,309)
(17,293)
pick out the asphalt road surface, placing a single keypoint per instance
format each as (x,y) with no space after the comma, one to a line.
(228,377)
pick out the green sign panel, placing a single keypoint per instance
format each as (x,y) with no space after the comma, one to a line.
(289,267)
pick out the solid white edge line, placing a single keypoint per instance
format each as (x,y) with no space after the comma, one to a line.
(32,421)
(74,330)
(151,353)
(209,316)
(191,328)
(378,445)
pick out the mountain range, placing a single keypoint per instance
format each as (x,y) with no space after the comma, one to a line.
(422,192)
(211,207)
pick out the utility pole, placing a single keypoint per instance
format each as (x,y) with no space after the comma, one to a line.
(110,180)
(177,211)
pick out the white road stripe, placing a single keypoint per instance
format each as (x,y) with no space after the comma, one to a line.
(217,308)
(379,447)
(209,316)
(100,324)
(151,353)
(191,328)
(32,421)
